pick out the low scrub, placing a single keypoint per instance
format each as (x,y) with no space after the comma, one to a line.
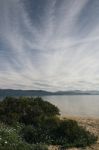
(34,123)
(26,110)
(66,133)
(11,140)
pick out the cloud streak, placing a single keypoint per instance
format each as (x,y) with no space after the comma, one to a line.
(49,44)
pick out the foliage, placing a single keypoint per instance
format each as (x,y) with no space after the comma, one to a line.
(33,122)
(70,134)
(10,140)
(26,110)
(66,133)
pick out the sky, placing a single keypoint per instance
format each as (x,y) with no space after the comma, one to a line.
(49,44)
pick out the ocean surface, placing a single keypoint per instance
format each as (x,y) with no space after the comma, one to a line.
(76,105)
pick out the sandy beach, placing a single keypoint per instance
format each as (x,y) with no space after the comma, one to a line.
(91,124)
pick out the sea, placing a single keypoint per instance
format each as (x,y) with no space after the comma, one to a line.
(75,105)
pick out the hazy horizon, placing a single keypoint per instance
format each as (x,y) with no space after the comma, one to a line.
(49,45)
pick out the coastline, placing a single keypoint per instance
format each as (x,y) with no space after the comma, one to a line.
(90,123)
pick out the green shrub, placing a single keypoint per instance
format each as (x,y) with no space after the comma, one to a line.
(26,110)
(70,134)
(8,135)
(66,133)
(35,121)
(10,140)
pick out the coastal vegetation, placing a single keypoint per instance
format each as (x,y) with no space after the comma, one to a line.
(28,123)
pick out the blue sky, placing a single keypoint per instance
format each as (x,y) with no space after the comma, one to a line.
(49,44)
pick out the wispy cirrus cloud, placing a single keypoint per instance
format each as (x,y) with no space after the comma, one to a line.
(49,44)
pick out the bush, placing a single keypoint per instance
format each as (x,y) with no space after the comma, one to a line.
(66,133)
(35,121)
(8,135)
(70,134)
(10,140)
(26,110)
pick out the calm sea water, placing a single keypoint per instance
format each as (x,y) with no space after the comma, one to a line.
(78,105)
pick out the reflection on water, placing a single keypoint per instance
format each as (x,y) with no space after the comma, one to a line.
(76,105)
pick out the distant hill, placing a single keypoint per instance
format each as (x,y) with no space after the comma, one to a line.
(11,92)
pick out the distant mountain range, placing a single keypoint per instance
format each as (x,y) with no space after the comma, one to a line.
(12,92)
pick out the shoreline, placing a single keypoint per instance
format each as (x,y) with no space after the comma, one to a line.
(77,117)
